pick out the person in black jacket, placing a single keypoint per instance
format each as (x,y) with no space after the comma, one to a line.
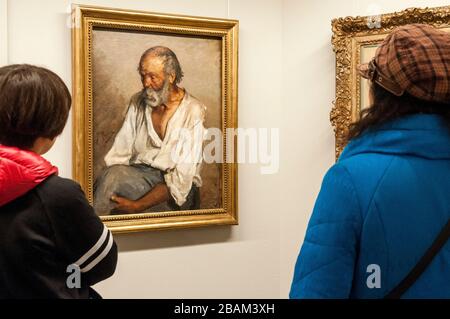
(52,244)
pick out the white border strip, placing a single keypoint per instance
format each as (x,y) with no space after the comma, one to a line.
(3,32)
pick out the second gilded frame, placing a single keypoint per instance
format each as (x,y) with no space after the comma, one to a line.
(354,41)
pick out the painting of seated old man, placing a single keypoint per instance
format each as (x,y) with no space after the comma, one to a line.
(154,98)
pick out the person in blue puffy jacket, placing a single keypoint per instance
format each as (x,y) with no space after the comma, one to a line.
(382,205)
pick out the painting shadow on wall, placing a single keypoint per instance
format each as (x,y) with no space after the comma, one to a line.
(173,238)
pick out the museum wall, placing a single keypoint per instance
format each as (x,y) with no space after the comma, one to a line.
(286,81)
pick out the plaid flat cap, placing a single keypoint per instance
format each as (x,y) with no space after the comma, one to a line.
(414,58)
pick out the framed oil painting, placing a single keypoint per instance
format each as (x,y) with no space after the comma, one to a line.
(154,98)
(355,40)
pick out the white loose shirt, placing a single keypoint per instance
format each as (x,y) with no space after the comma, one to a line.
(178,155)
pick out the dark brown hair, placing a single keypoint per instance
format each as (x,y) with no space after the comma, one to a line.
(387,106)
(34,102)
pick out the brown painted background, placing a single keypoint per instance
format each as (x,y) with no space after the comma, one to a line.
(116,56)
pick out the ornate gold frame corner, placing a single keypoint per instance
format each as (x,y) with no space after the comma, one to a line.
(84,18)
(349,35)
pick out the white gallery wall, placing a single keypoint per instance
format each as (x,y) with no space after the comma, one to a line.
(286,81)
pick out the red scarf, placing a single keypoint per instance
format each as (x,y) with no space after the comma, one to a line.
(20,172)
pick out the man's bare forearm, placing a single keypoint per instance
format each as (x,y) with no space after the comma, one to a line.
(158,195)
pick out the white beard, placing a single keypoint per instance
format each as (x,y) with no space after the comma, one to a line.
(155,98)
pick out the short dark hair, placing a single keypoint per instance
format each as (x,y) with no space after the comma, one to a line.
(171,63)
(34,102)
(387,106)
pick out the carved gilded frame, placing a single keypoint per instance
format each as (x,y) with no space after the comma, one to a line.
(84,19)
(350,35)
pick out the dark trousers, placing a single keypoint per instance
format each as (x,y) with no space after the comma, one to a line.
(133,182)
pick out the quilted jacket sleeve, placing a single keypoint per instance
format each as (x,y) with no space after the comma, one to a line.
(326,262)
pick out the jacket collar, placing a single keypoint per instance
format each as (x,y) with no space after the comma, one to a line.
(420,135)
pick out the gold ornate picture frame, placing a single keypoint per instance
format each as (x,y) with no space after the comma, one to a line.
(354,42)
(103,35)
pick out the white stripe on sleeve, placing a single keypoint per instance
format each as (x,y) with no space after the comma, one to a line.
(99,258)
(94,248)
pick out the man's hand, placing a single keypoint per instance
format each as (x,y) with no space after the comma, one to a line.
(158,194)
(124,205)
